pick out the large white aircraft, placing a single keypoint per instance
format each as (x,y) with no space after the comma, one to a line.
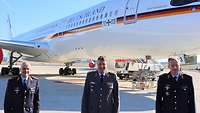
(115,29)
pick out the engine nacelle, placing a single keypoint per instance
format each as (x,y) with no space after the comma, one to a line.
(1,55)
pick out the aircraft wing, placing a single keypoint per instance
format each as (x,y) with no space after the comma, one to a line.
(26,47)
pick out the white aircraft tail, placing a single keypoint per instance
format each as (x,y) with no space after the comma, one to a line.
(10,33)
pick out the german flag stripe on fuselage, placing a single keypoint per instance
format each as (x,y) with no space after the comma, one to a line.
(140,16)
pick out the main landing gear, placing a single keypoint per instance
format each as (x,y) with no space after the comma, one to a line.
(10,69)
(67,70)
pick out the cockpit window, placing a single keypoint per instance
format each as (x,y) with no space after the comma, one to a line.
(182,2)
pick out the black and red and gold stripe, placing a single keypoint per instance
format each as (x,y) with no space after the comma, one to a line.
(140,16)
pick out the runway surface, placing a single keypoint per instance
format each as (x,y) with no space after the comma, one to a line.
(63,94)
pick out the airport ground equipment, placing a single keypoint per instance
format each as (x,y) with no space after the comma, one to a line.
(137,69)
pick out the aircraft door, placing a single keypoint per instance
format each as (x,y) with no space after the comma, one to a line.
(130,14)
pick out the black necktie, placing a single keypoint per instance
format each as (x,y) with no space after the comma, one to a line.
(176,78)
(24,84)
(101,77)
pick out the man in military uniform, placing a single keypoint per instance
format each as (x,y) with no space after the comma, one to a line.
(175,92)
(101,91)
(22,93)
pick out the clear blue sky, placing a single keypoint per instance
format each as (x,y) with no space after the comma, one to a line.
(29,14)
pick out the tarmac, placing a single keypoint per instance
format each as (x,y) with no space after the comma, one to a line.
(62,94)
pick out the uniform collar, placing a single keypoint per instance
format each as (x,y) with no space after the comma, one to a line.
(99,73)
(178,75)
(102,74)
(24,78)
